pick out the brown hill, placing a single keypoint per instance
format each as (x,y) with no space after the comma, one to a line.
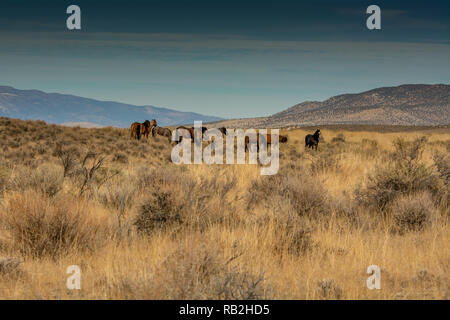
(407,105)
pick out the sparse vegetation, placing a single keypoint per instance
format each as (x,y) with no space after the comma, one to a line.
(141,227)
(413,212)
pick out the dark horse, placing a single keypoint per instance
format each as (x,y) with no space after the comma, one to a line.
(223,130)
(312,140)
(179,137)
(146,127)
(165,132)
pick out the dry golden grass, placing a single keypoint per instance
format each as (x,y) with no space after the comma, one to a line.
(141,227)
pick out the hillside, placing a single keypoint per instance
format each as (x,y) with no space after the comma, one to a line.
(69,109)
(407,105)
(141,227)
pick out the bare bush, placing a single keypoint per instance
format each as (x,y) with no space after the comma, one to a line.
(91,172)
(67,158)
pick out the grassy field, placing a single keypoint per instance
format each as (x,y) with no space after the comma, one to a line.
(140,227)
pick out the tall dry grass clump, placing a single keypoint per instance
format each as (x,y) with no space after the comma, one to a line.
(202,271)
(40,226)
(47,178)
(4,177)
(292,235)
(141,227)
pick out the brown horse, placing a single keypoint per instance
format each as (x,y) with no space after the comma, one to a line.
(192,132)
(165,132)
(146,127)
(135,130)
(268,138)
(180,137)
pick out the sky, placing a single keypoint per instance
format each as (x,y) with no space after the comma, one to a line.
(230,58)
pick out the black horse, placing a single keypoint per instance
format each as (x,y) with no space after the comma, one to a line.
(312,140)
(223,130)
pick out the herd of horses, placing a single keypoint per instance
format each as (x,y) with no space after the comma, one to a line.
(139,130)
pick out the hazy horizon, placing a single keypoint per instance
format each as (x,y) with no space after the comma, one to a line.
(227,59)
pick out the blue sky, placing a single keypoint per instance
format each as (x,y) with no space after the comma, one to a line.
(224,58)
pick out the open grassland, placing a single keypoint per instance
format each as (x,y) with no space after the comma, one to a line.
(141,227)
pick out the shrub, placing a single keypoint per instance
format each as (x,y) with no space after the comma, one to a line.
(159,211)
(197,271)
(412,212)
(388,183)
(92,174)
(408,153)
(306,195)
(442,162)
(47,179)
(42,226)
(405,175)
(175,193)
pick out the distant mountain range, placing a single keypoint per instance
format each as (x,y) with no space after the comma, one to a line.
(72,110)
(409,105)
